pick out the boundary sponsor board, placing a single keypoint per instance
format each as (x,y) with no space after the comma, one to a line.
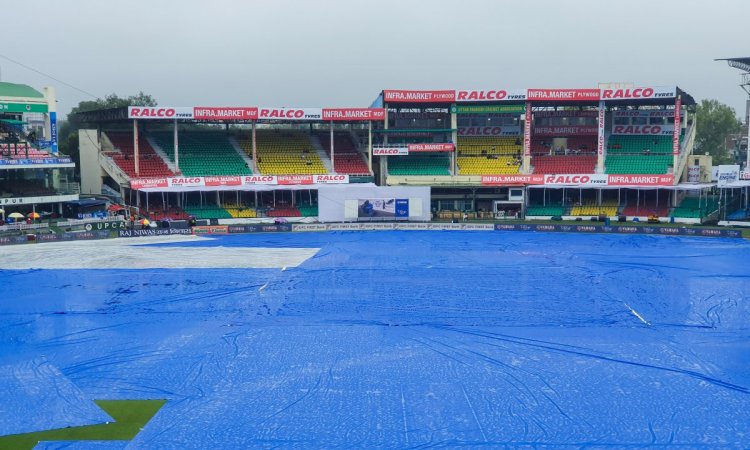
(259,228)
(623,229)
(406,96)
(153,232)
(211,229)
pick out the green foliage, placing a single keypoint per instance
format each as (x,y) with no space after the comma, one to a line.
(715,122)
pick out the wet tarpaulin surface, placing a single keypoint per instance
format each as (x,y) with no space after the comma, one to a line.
(386,339)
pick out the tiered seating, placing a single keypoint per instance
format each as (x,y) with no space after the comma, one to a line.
(478,155)
(695,208)
(419,165)
(22,151)
(607,208)
(281,211)
(548,210)
(646,208)
(150,164)
(739,214)
(241,211)
(208,212)
(204,153)
(346,158)
(156,212)
(564,164)
(639,154)
(575,145)
(287,152)
(308,210)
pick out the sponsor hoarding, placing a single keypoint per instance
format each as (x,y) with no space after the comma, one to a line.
(271,113)
(585,180)
(490,95)
(160,112)
(490,131)
(643,130)
(566,130)
(640,180)
(405,96)
(563,95)
(638,93)
(224,113)
(350,114)
(499,180)
(441,147)
(390,151)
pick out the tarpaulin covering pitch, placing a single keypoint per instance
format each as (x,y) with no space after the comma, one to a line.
(394,339)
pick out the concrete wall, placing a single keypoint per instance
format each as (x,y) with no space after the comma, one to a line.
(91,172)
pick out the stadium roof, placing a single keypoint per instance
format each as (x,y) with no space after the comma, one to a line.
(19,90)
(737,63)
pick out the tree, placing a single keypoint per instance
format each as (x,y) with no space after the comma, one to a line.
(68,129)
(715,122)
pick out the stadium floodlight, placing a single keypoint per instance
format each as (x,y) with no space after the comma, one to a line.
(743,64)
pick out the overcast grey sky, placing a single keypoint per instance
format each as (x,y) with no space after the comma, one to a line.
(343,52)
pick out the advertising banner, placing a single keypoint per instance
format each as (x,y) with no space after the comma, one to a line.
(294,179)
(490,109)
(600,131)
(584,180)
(223,181)
(727,174)
(402,96)
(648,113)
(402,207)
(270,113)
(331,179)
(640,180)
(237,180)
(160,112)
(638,93)
(566,131)
(644,130)
(53,132)
(683,231)
(500,180)
(224,113)
(351,114)
(390,151)
(490,95)
(563,95)
(527,131)
(6,107)
(442,147)
(694,174)
(490,131)
(377,207)
(677,127)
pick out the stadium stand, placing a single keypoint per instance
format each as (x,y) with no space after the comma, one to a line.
(157,212)
(308,210)
(488,155)
(695,208)
(204,153)
(207,212)
(346,160)
(22,151)
(607,208)
(564,164)
(545,210)
(646,208)
(286,152)
(24,188)
(639,154)
(419,165)
(241,211)
(150,164)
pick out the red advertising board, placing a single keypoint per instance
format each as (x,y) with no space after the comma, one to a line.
(270,113)
(294,179)
(446,147)
(223,181)
(640,180)
(527,131)
(490,95)
(139,183)
(401,96)
(566,131)
(501,180)
(563,95)
(224,113)
(350,114)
